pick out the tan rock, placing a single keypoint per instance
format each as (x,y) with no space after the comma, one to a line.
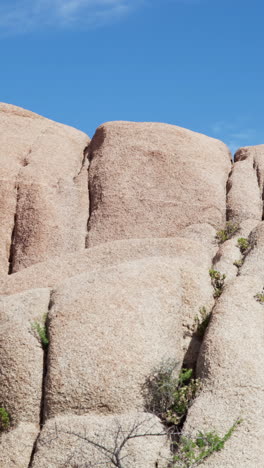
(204,234)
(254,261)
(245,185)
(21,354)
(68,441)
(233,381)
(110,328)
(152,180)
(17,445)
(229,257)
(44,193)
(55,270)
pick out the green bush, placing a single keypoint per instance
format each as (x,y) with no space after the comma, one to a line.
(218,281)
(230,230)
(41,330)
(170,395)
(192,451)
(243,244)
(4,420)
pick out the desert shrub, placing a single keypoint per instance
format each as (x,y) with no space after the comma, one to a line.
(230,230)
(218,281)
(170,395)
(191,452)
(243,244)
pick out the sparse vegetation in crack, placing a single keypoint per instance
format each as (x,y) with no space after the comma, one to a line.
(169,392)
(260,297)
(238,263)
(225,234)
(243,245)
(218,282)
(41,329)
(201,322)
(5,419)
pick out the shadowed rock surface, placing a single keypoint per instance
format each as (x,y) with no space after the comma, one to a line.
(108,247)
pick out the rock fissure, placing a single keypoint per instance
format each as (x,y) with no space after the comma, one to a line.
(44,373)
(13,234)
(84,159)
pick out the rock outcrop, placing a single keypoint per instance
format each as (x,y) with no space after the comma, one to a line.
(105,257)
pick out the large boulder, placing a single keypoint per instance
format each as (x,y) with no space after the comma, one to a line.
(92,440)
(152,180)
(245,185)
(109,329)
(43,190)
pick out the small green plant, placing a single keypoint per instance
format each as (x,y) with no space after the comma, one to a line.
(4,420)
(201,321)
(41,330)
(218,281)
(230,230)
(192,451)
(238,263)
(243,244)
(169,395)
(260,297)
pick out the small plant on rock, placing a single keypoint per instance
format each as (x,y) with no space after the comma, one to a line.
(4,420)
(260,297)
(192,451)
(41,330)
(230,230)
(243,244)
(238,263)
(201,321)
(218,281)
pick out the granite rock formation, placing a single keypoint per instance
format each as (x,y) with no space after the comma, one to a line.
(106,249)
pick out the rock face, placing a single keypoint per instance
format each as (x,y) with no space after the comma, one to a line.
(138,452)
(149,179)
(43,192)
(106,251)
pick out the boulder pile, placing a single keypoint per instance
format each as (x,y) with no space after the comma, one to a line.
(106,250)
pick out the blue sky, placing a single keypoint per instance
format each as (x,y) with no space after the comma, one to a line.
(194,63)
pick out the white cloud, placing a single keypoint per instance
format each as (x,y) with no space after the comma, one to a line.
(18,16)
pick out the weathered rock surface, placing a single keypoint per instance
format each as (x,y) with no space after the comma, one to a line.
(152,199)
(149,179)
(127,320)
(17,446)
(21,354)
(233,383)
(43,190)
(55,270)
(246,185)
(68,441)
